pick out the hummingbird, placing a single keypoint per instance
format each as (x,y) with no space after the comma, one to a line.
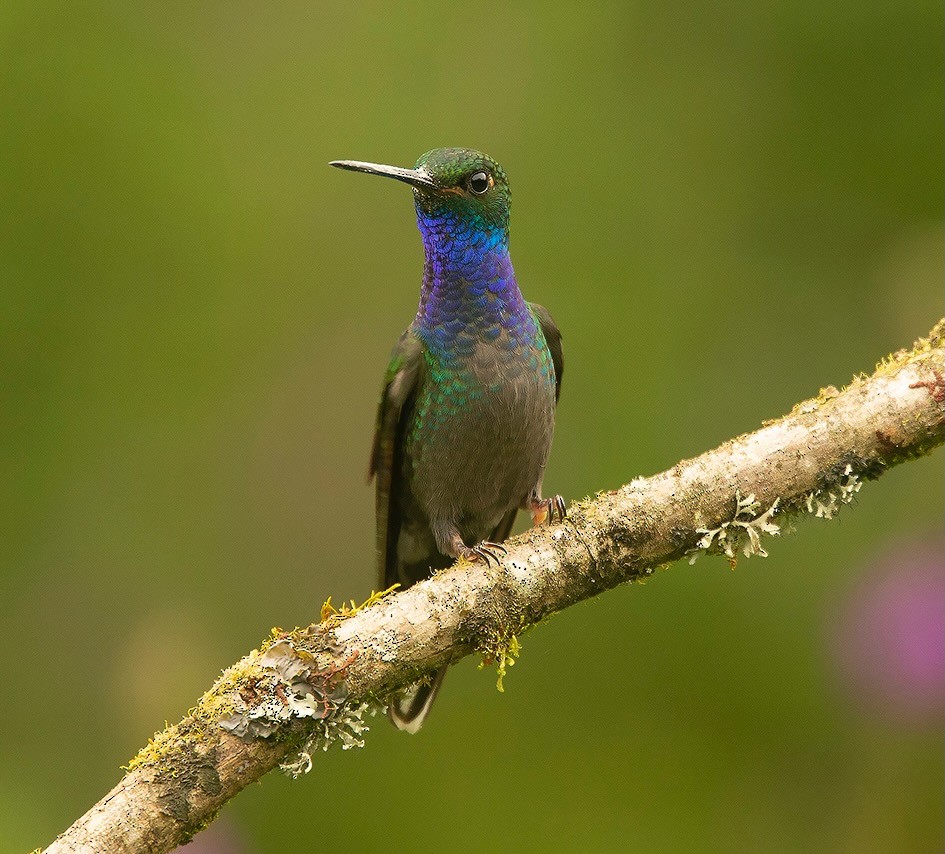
(467,409)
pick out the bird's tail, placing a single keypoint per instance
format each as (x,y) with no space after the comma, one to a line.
(409,709)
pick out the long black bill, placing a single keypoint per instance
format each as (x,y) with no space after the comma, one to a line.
(409,176)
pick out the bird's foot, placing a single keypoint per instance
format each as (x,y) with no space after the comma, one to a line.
(484,551)
(548,510)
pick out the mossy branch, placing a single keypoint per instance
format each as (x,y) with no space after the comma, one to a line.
(308,688)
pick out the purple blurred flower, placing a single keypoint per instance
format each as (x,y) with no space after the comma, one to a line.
(890,639)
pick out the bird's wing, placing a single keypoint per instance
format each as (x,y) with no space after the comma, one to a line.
(400,384)
(553,339)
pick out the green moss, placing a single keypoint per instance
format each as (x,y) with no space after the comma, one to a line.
(502,649)
(332,615)
(200,725)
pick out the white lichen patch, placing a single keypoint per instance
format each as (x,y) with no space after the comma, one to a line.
(346,727)
(824,503)
(293,687)
(742,532)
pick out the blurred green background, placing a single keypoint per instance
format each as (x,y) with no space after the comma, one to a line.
(725,205)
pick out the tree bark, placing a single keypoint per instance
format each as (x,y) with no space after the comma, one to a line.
(307,689)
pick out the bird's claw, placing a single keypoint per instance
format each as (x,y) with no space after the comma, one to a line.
(549,510)
(557,507)
(486,551)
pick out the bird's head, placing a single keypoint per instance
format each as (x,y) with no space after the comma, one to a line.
(458,185)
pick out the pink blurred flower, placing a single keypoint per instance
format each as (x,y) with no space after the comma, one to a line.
(890,638)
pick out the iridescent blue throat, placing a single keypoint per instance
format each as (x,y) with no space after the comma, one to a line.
(469,290)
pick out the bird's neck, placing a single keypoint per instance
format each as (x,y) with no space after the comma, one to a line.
(468,282)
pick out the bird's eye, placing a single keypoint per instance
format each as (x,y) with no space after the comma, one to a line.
(479,182)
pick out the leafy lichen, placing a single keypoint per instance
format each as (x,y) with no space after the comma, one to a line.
(742,532)
(824,503)
(293,687)
(345,727)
